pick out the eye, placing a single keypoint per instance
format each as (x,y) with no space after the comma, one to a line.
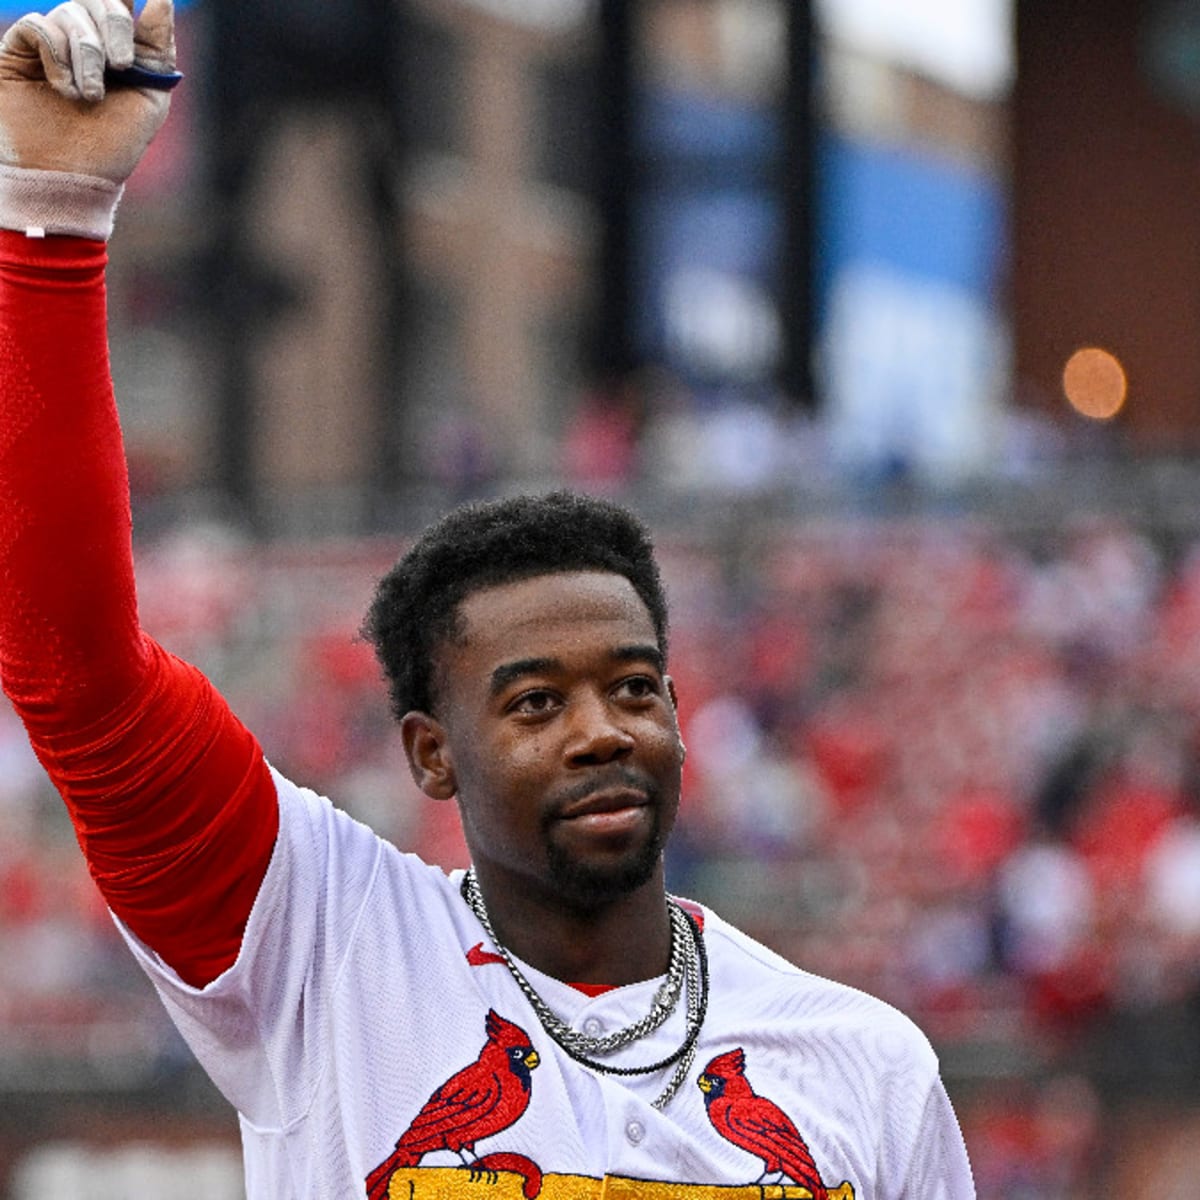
(638,687)
(537,702)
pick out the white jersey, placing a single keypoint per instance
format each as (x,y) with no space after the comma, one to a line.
(365,984)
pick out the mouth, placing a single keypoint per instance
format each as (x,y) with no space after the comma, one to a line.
(604,803)
(607,812)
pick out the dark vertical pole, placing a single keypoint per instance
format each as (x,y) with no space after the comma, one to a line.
(386,160)
(237,129)
(615,187)
(798,195)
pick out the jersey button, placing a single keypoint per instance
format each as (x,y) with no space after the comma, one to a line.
(635,1131)
(592,1027)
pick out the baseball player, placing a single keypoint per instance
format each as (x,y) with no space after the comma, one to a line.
(549,1023)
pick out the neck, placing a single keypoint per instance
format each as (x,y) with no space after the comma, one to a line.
(625,940)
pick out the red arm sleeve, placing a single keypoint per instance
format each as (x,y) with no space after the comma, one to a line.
(172,800)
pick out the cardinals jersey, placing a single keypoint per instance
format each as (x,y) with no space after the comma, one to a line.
(375,1045)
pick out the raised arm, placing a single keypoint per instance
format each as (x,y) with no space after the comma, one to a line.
(171,799)
(65,153)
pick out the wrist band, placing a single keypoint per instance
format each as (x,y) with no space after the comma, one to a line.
(39,202)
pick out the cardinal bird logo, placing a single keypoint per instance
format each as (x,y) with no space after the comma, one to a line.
(756,1124)
(480,1100)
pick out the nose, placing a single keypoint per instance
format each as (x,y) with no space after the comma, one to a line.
(597,735)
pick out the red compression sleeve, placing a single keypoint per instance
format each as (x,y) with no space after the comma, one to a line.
(172,801)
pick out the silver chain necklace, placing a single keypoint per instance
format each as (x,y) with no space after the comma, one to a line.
(688,969)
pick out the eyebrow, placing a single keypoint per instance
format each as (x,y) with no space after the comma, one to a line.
(509,672)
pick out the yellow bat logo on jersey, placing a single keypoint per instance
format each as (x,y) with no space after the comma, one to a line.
(441,1183)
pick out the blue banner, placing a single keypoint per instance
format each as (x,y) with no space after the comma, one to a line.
(912,258)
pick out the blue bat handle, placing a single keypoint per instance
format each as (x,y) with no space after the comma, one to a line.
(142,77)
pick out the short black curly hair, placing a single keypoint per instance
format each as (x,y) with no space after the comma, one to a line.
(416,604)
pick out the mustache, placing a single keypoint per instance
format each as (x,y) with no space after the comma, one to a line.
(610,779)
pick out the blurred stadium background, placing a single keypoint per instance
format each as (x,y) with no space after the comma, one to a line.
(887,317)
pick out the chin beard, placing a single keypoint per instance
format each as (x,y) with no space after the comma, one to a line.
(588,885)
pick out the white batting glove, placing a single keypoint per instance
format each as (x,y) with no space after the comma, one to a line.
(67,144)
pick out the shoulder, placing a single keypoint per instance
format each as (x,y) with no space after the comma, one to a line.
(335,851)
(768,988)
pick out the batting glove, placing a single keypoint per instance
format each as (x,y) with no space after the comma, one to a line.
(68,143)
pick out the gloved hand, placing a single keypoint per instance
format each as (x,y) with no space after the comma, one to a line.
(67,146)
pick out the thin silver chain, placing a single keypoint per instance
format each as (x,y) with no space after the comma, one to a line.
(694,1018)
(683,972)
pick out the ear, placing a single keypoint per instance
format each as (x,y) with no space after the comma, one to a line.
(429,757)
(675,706)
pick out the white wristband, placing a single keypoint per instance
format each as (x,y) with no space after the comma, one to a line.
(38,202)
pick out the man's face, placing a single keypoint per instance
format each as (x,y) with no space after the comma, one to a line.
(560,735)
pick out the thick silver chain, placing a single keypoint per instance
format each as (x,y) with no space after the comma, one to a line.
(683,972)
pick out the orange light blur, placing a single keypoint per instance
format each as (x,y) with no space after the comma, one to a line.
(1095,383)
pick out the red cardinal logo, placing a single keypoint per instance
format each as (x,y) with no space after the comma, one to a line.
(476,1102)
(756,1124)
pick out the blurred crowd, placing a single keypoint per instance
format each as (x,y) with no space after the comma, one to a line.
(951,763)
